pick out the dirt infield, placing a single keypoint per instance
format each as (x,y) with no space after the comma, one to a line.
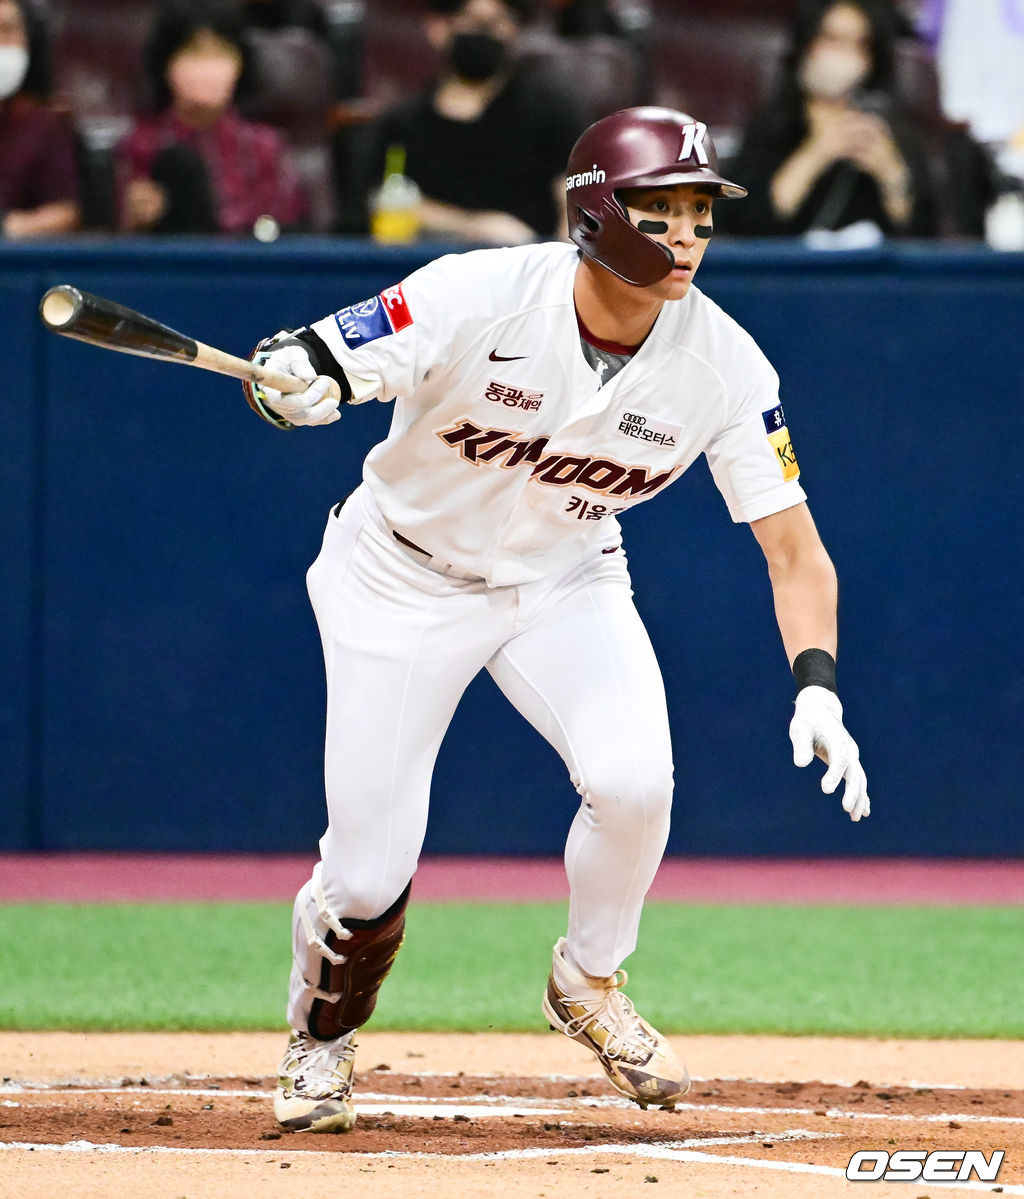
(107,1116)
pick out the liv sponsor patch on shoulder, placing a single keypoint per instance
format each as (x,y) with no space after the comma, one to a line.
(775,426)
(376,317)
(643,428)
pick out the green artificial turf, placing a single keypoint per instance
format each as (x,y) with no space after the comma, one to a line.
(915,972)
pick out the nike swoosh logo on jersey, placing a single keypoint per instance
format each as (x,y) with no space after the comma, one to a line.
(496,357)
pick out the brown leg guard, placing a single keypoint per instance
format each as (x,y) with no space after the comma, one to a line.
(367,953)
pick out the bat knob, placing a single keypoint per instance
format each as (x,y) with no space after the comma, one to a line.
(60,305)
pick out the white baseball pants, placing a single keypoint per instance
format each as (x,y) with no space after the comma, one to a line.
(402,642)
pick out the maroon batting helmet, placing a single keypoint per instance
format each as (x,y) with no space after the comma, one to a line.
(637,147)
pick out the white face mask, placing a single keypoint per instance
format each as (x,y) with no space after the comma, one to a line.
(13,69)
(831,72)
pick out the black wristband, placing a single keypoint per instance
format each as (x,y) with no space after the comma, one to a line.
(324,362)
(815,668)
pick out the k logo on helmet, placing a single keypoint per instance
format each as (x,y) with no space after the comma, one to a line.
(693,142)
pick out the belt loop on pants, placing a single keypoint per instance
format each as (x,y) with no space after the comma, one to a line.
(411,544)
(432,563)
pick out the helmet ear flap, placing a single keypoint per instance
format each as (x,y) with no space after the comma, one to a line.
(612,240)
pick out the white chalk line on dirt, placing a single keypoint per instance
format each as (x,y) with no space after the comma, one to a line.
(678,1152)
(112,1147)
(476,1105)
(157,1080)
(415,1108)
(223,1093)
(900,1117)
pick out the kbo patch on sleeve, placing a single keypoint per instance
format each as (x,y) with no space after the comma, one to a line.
(379,316)
(775,426)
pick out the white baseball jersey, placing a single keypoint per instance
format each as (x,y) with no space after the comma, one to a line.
(506,457)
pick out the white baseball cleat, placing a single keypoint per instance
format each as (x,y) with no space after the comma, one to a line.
(314,1087)
(639,1062)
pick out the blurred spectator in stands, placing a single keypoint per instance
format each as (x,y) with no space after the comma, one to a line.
(196,165)
(979,50)
(486,146)
(979,55)
(583,18)
(604,54)
(337,27)
(39,190)
(285,14)
(294,70)
(904,14)
(831,150)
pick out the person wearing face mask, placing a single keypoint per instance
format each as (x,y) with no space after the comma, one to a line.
(831,151)
(196,165)
(485,147)
(39,186)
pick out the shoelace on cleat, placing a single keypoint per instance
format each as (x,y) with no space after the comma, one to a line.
(312,1064)
(615,1013)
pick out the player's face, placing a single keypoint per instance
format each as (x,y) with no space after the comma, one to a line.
(678,217)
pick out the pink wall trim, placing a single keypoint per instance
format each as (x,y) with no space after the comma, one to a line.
(112,877)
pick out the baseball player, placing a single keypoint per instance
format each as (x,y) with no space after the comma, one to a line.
(540,392)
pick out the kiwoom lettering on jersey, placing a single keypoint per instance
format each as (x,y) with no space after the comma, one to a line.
(594,175)
(508,450)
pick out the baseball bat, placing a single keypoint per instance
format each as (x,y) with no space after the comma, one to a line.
(72,312)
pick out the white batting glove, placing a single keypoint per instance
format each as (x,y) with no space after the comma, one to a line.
(317,405)
(817,728)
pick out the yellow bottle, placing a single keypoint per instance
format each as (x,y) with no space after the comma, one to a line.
(395,206)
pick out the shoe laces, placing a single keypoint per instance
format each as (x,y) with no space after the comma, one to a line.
(629,1037)
(310,1063)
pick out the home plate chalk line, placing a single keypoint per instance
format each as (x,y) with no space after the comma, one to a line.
(670,1151)
(680,1151)
(694,1150)
(487,1107)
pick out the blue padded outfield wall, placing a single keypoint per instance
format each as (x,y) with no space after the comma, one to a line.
(161,676)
